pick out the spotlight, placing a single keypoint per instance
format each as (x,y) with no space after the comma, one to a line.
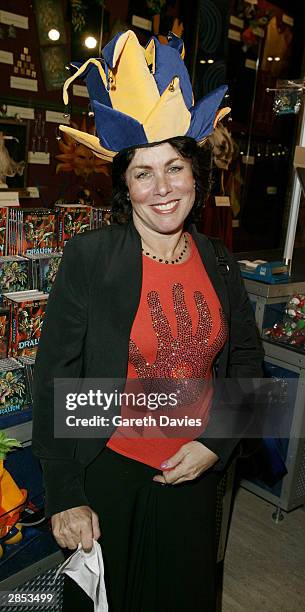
(269,59)
(277,59)
(90,42)
(202,61)
(53,34)
(210,61)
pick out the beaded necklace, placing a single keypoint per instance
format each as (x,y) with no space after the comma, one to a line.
(167,261)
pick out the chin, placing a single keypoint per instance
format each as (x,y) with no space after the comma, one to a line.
(169,228)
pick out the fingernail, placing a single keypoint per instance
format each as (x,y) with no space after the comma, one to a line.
(164,464)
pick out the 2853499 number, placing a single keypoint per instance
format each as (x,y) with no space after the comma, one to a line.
(25,597)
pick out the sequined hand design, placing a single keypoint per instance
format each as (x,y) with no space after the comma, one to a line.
(188,356)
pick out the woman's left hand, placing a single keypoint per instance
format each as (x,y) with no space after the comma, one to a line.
(189,462)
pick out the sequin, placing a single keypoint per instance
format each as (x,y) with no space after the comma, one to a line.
(187,356)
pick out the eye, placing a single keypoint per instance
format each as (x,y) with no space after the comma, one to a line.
(175,169)
(142,175)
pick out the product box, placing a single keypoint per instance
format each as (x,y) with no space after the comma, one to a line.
(28,362)
(43,270)
(72,219)
(26,318)
(38,231)
(4,331)
(14,391)
(31,231)
(14,274)
(4,214)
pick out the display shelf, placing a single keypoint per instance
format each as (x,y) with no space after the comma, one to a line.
(269,301)
(295,356)
(36,554)
(297,284)
(289,492)
(36,541)
(22,432)
(41,583)
(10,421)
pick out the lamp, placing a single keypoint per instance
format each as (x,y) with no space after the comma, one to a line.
(90,42)
(54,34)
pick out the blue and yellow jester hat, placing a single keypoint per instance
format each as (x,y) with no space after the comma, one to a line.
(142,95)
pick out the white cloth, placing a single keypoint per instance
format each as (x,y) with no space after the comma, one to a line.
(87,569)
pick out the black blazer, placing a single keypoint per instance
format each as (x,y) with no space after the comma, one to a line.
(86,333)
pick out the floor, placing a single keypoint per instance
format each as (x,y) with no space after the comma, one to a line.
(265,562)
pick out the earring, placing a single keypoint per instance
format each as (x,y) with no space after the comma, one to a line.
(127,196)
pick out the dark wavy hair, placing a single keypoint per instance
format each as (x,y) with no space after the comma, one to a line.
(187,148)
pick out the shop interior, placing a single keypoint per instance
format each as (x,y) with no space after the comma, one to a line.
(51,189)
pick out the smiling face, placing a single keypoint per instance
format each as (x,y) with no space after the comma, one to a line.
(161,187)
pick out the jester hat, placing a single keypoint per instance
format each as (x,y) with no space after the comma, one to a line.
(142,95)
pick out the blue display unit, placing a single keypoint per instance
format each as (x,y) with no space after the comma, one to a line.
(285,364)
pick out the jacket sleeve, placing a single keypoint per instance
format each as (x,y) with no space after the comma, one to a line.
(60,356)
(245,359)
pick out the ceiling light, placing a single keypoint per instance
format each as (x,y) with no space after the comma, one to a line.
(210,61)
(53,34)
(277,59)
(269,59)
(90,42)
(202,62)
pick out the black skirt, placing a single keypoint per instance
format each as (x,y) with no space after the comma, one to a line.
(158,541)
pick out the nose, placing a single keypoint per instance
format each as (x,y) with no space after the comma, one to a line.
(162,184)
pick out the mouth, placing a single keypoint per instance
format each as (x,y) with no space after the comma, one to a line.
(168,207)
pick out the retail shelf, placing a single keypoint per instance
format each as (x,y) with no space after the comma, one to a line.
(22,432)
(31,571)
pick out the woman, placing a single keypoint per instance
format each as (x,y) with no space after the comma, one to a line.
(143,300)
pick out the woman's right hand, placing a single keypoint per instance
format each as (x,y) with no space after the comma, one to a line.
(74,526)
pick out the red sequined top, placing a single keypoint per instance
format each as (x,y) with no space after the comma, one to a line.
(178,330)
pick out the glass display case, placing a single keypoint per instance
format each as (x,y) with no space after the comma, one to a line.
(287,366)
(252,46)
(269,301)
(280,315)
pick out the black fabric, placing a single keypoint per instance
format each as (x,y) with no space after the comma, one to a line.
(86,333)
(221,257)
(158,541)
